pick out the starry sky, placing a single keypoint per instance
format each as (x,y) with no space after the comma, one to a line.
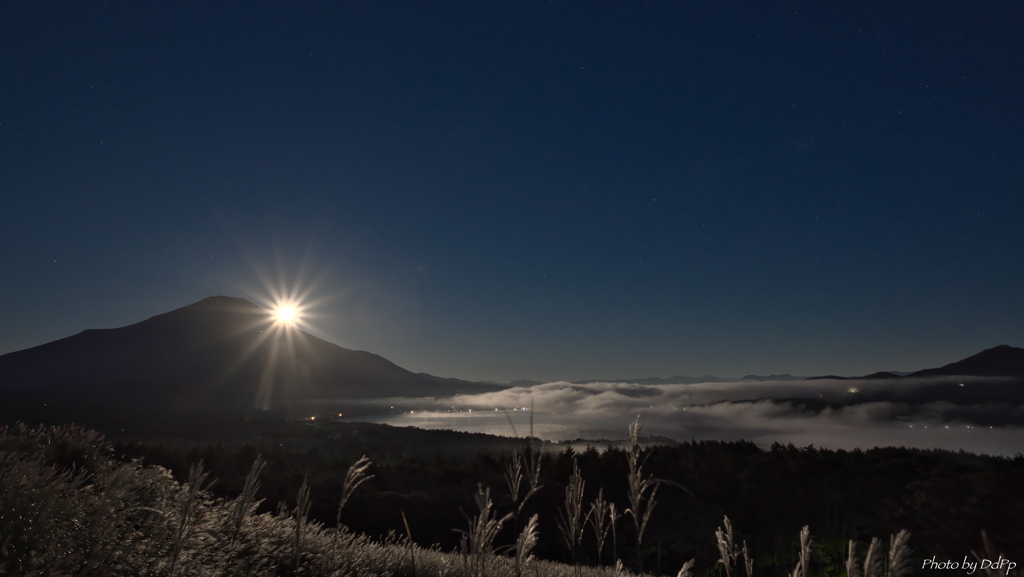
(540,190)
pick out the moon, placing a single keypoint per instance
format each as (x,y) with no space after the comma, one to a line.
(286,314)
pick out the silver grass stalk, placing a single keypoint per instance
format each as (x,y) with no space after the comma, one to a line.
(989,552)
(873,559)
(987,549)
(852,569)
(729,552)
(748,561)
(525,543)
(600,520)
(524,464)
(408,537)
(899,554)
(478,539)
(187,511)
(687,569)
(301,513)
(571,521)
(518,469)
(511,424)
(355,476)
(726,549)
(642,490)
(615,516)
(514,475)
(531,466)
(245,503)
(805,552)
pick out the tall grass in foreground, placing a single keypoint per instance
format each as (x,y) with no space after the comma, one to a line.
(601,517)
(570,520)
(478,541)
(95,516)
(642,490)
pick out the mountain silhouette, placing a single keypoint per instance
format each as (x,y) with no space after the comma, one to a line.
(881,375)
(216,352)
(675,380)
(524,383)
(878,375)
(784,377)
(993,376)
(1001,361)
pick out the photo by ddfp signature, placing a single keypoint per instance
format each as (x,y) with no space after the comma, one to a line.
(969,566)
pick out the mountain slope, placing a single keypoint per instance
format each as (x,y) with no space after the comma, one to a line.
(220,349)
(1001,361)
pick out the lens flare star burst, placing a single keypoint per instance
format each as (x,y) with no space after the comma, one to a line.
(287,314)
(283,347)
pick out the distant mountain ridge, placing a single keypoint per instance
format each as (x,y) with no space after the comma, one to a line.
(682,380)
(998,361)
(218,350)
(524,383)
(225,350)
(783,377)
(878,375)
(676,380)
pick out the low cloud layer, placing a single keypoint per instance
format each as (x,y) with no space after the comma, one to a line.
(836,414)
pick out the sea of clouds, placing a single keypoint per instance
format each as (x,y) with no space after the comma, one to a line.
(836,414)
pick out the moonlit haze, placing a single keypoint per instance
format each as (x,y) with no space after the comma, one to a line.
(753,411)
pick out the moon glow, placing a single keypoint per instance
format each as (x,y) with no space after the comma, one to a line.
(286,314)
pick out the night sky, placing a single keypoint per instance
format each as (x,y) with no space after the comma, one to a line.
(561,190)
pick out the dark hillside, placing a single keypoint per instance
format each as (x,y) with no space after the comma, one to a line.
(768,495)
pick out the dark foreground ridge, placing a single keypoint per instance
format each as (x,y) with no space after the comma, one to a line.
(77,505)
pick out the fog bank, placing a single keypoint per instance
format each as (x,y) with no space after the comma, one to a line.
(835,414)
